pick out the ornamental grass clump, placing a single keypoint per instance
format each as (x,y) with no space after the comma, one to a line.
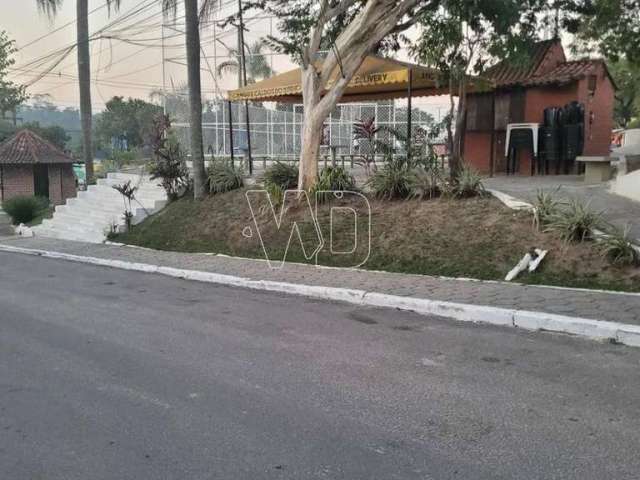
(333,179)
(468,183)
(618,248)
(223,177)
(576,222)
(282,175)
(394,180)
(545,208)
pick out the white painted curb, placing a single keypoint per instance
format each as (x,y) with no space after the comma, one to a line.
(594,329)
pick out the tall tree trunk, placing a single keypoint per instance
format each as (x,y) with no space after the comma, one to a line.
(312,129)
(84,80)
(195,96)
(376,19)
(456,138)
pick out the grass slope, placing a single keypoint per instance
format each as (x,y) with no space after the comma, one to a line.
(476,238)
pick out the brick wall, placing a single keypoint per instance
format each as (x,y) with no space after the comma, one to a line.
(599,102)
(477,150)
(597,132)
(17,180)
(69,189)
(55,185)
(539,98)
(62,183)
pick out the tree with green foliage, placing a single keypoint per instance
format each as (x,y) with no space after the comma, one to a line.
(53,133)
(627,78)
(131,120)
(462,37)
(612,26)
(348,31)
(11,95)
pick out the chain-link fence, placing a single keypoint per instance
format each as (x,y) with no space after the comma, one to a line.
(276,132)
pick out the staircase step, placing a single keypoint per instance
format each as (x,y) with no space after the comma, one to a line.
(90,215)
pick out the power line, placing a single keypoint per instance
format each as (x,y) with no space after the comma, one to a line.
(139,8)
(125,24)
(62,27)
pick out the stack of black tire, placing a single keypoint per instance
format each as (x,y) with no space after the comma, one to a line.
(561,139)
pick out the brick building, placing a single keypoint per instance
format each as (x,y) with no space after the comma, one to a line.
(522,94)
(30,165)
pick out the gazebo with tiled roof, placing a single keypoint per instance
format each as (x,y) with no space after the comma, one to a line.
(31,165)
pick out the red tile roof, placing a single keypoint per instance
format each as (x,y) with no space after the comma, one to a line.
(25,147)
(546,67)
(505,73)
(566,72)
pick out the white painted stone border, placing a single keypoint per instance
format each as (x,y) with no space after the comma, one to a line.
(594,329)
(512,202)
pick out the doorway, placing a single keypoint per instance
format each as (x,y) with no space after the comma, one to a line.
(41,180)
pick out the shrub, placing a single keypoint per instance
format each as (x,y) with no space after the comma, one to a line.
(275,193)
(107,166)
(172,171)
(334,179)
(168,165)
(222,177)
(616,246)
(24,209)
(576,223)
(545,207)
(393,180)
(425,184)
(468,183)
(123,157)
(282,175)
(128,193)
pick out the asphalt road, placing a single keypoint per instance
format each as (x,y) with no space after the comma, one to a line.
(107,374)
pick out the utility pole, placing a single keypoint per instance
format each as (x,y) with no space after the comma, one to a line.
(164,85)
(243,81)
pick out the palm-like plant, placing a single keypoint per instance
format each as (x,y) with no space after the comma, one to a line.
(365,130)
(258,67)
(50,7)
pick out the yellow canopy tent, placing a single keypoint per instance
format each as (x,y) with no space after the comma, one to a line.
(377,79)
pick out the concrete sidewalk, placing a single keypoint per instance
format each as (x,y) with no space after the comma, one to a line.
(585,304)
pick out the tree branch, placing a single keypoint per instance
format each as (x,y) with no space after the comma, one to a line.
(311,51)
(341,8)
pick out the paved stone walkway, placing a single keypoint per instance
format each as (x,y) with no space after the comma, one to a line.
(616,209)
(617,307)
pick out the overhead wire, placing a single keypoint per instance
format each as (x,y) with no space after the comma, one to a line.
(45,65)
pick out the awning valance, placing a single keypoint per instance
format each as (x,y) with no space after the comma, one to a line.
(377,79)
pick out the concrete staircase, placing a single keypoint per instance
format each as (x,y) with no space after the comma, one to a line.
(91,215)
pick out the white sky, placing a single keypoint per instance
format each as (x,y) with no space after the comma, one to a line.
(119,68)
